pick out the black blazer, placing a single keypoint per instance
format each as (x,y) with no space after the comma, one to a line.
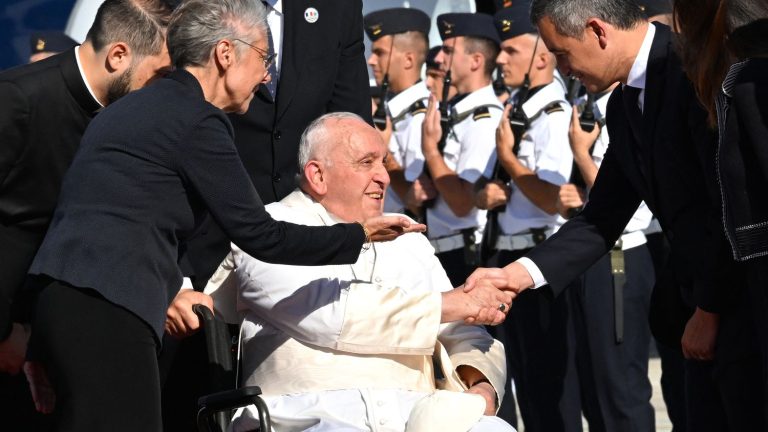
(44,110)
(672,169)
(743,160)
(322,70)
(149,168)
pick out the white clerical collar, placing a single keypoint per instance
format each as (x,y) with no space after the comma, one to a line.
(637,73)
(82,75)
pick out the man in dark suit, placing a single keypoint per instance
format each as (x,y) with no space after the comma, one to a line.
(46,107)
(661,152)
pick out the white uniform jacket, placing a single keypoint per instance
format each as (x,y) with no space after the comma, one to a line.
(368,329)
(469,151)
(545,150)
(407,110)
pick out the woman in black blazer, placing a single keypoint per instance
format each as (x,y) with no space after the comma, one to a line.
(149,168)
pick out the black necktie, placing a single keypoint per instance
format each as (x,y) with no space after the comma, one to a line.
(634,115)
(272,85)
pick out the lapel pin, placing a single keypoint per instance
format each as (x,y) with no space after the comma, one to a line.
(311,15)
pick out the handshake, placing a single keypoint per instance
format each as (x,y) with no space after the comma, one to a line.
(487,295)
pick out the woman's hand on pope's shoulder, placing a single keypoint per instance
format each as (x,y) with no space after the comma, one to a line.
(385,228)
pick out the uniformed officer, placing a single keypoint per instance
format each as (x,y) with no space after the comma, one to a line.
(435,75)
(460,151)
(398,51)
(534,161)
(610,301)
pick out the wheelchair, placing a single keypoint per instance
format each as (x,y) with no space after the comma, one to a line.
(215,410)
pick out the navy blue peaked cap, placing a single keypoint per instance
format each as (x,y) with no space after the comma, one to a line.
(431,55)
(467,24)
(393,21)
(52,41)
(514,21)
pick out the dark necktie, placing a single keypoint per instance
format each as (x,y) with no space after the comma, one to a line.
(272,85)
(634,115)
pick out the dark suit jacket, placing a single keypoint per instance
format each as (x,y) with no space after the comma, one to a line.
(672,169)
(44,110)
(322,70)
(148,169)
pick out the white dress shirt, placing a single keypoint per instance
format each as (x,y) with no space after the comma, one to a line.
(275,20)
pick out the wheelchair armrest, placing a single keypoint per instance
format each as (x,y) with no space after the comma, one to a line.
(230,399)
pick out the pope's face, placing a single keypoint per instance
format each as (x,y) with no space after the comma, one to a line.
(354,171)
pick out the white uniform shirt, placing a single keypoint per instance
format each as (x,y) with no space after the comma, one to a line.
(405,143)
(469,151)
(348,346)
(545,150)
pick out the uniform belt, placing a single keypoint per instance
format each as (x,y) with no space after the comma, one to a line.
(448,243)
(631,240)
(515,242)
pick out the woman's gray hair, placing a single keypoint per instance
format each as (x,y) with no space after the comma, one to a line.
(570,16)
(198,25)
(317,134)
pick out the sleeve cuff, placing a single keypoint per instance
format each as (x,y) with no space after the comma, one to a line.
(533,270)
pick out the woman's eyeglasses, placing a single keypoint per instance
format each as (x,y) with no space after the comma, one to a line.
(267,58)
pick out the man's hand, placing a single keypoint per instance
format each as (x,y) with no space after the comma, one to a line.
(514,277)
(13,349)
(385,228)
(431,131)
(494,194)
(580,140)
(700,334)
(40,387)
(505,138)
(180,320)
(481,305)
(569,197)
(422,189)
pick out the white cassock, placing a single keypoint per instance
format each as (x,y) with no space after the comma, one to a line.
(350,347)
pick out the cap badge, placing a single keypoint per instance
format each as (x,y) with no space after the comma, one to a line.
(506,25)
(40,45)
(375,29)
(448,27)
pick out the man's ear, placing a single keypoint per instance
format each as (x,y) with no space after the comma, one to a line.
(409,60)
(477,61)
(118,57)
(314,176)
(224,54)
(597,28)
